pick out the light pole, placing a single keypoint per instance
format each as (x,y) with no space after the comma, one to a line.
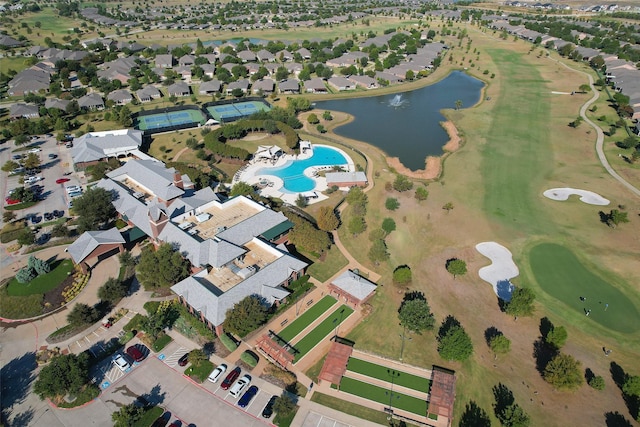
(403,337)
(393,374)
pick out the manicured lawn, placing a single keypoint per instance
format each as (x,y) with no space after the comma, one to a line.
(561,274)
(201,371)
(307,318)
(350,408)
(328,266)
(322,330)
(382,395)
(149,417)
(41,284)
(381,372)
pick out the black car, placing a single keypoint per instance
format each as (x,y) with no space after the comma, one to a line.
(268,409)
(53,156)
(48,216)
(58,214)
(36,219)
(184,360)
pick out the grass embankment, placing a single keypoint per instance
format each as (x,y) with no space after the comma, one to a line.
(311,339)
(380,372)
(307,318)
(384,395)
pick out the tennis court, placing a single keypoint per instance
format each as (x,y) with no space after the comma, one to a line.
(236,110)
(159,119)
(330,324)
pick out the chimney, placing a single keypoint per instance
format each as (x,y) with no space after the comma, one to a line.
(177,180)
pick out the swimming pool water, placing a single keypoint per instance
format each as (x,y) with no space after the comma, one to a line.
(292,173)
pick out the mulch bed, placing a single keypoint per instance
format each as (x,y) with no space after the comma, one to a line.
(54,296)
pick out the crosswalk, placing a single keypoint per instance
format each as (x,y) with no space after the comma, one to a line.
(172,360)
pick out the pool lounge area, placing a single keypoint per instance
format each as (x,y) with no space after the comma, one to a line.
(285,176)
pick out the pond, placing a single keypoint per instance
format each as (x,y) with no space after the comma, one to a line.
(407,125)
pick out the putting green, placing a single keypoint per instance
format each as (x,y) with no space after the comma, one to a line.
(560,274)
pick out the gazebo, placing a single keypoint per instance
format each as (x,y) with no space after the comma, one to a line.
(268,152)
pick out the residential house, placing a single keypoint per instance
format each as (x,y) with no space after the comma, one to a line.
(187,61)
(284,56)
(209,70)
(120,96)
(315,85)
(264,86)
(246,56)
(164,61)
(391,78)
(289,86)
(60,104)
(304,53)
(19,110)
(31,80)
(179,89)
(9,42)
(210,88)
(91,101)
(148,93)
(341,83)
(242,84)
(365,82)
(265,56)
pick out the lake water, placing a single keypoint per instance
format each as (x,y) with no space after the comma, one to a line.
(407,125)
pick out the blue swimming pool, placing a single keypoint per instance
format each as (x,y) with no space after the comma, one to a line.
(292,173)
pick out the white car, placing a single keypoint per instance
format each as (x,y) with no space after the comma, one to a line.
(32,179)
(34,150)
(121,363)
(73,188)
(217,373)
(240,385)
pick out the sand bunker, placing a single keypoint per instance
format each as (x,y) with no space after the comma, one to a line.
(501,270)
(585,196)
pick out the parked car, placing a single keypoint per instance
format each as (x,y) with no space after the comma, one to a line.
(58,214)
(32,179)
(53,156)
(162,420)
(35,150)
(44,238)
(121,362)
(75,194)
(11,201)
(184,360)
(135,353)
(217,373)
(248,396)
(73,188)
(48,216)
(17,157)
(231,377)
(268,408)
(62,180)
(240,385)
(36,219)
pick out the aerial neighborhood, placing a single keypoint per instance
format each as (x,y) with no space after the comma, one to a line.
(320,213)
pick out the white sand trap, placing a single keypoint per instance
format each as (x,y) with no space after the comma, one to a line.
(585,196)
(501,270)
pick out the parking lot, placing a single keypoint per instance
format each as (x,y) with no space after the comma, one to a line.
(54,195)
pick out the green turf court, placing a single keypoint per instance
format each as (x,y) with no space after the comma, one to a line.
(380,372)
(229,112)
(327,326)
(560,274)
(307,318)
(159,119)
(384,395)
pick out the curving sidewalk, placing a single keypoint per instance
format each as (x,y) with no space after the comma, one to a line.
(599,132)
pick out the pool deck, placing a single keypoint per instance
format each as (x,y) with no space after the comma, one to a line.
(274,185)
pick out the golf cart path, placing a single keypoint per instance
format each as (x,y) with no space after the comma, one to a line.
(600,138)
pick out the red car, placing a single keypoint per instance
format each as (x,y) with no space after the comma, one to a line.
(230,378)
(62,180)
(11,201)
(135,353)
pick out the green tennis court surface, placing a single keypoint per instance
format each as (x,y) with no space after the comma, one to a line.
(380,372)
(384,395)
(236,110)
(327,326)
(164,119)
(307,318)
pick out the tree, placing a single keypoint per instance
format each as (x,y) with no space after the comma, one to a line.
(448,206)
(388,225)
(458,104)
(26,237)
(26,275)
(39,265)
(415,315)
(421,194)
(616,217)
(499,344)
(556,337)
(521,303)
(321,129)
(113,290)
(313,119)
(127,415)
(474,416)
(357,200)
(247,315)
(378,252)
(65,374)
(402,275)
(82,314)
(514,416)
(356,225)
(301,201)
(197,356)
(284,405)
(327,219)
(94,209)
(8,216)
(392,203)
(597,382)
(402,183)
(457,267)
(631,386)
(60,230)
(10,165)
(241,188)
(306,236)
(453,341)
(32,161)
(563,372)
(585,88)
(327,116)
(162,268)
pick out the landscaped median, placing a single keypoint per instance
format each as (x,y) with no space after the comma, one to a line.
(384,396)
(321,331)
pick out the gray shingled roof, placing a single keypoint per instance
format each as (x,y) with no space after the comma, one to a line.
(354,285)
(98,145)
(254,226)
(133,209)
(90,240)
(152,175)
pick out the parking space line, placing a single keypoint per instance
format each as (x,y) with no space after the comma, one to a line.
(252,401)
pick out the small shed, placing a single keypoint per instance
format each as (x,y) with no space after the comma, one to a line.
(352,288)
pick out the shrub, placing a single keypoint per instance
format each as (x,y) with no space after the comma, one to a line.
(597,382)
(230,344)
(250,358)
(40,266)
(26,274)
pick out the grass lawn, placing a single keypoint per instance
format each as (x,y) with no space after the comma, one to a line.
(380,372)
(41,284)
(330,265)
(20,307)
(285,421)
(200,372)
(307,318)
(382,395)
(322,330)
(561,274)
(350,408)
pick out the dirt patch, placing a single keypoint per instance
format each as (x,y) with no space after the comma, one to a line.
(255,136)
